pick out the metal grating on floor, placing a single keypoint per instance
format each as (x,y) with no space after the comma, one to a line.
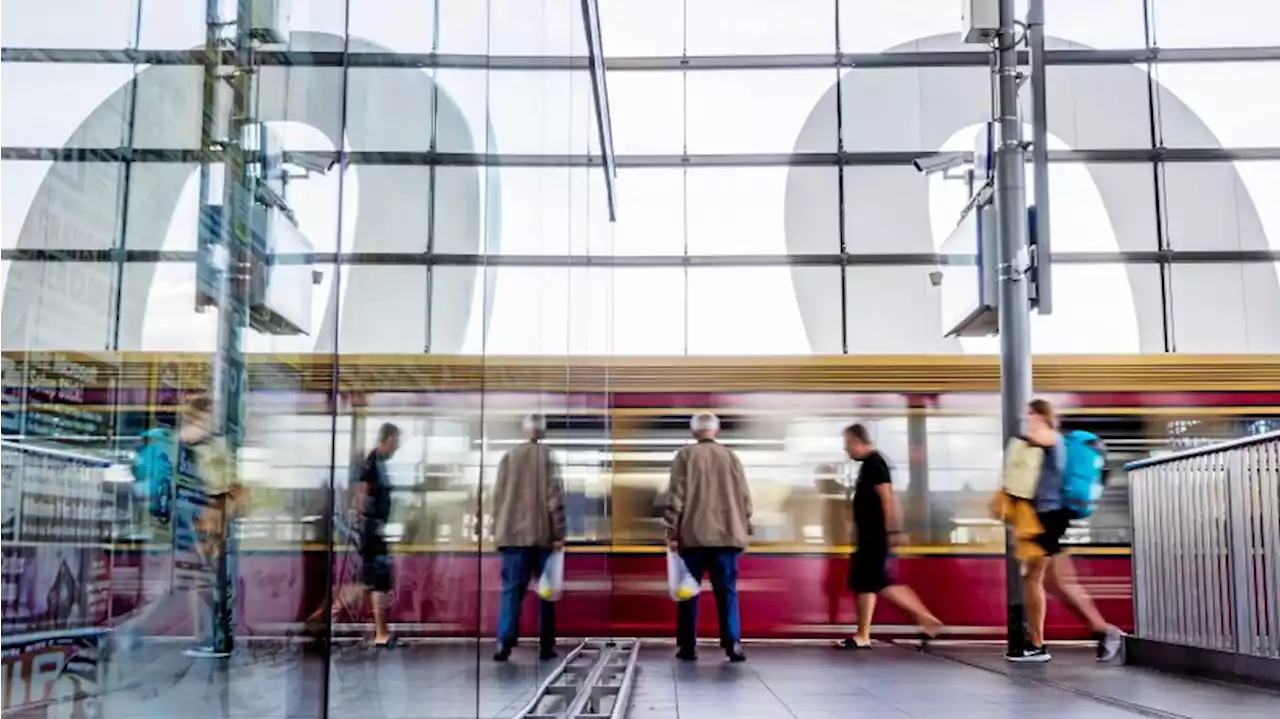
(593,682)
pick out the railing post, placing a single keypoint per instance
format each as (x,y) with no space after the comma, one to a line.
(1241,563)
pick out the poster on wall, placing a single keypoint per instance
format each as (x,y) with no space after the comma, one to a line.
(51,588)
(60,672)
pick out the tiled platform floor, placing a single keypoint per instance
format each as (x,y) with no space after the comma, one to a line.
(435,681)
(414,681)
(890,682)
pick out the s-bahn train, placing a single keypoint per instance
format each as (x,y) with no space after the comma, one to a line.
(614,424)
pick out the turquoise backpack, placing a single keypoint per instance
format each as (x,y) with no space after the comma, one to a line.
(1084,473)
(153,472)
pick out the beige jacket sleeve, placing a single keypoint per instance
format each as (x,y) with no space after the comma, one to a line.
(676,487)
(744,493)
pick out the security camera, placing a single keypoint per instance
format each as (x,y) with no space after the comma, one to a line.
(319,163)
(939,162)
(935,278)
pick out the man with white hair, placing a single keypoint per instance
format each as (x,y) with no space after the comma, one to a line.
(708,522)
(528,524)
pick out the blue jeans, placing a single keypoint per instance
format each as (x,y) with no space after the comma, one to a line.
(722,564)
(520,565)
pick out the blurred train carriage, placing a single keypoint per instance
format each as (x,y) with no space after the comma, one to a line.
(616,424)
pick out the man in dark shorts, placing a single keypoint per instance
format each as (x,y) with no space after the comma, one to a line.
(373,501)
(875,515)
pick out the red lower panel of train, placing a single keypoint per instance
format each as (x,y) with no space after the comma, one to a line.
(783,596)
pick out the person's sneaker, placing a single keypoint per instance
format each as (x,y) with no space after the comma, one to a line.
(1029,655)
(205,651)
(547,654)
(1109,644)
(687,654)
(502,654)
(735,654)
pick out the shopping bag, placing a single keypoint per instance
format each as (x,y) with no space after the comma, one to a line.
(1022,468)
(680,581)
(551,583)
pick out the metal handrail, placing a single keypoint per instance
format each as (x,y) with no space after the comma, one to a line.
(1206,546)
(1206,449)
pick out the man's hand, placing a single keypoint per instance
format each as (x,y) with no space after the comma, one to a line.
(895,539)
(673,545)
(558,546)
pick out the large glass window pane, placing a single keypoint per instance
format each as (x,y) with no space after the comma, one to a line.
(758,210)
(536,29)
(1238,23)
(651,212)
(525,112)
(400,25)
(642,29)
(1225,308)
(47,105)
(1098,308)
(774,111)
(533,311)
(760,27)
(647,110)
(896,210)
(61,206)
(60,305)
(391,109)
(1221,205)
(86,24)
(649,311)
(934,25)
(1219,104)
(754,310)
(1090,106)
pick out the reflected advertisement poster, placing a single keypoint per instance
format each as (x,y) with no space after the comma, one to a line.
(58,672)
(49,588)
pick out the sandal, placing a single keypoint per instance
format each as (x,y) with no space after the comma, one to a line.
(851,643)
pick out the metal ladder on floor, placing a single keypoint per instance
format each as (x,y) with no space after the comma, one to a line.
(593,682)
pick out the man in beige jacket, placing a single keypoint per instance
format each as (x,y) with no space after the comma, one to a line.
(528,524)
(708,522)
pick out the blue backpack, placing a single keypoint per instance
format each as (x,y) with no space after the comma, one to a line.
(153,472)
(1084,472)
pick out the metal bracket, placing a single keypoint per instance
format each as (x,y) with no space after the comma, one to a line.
(593,682)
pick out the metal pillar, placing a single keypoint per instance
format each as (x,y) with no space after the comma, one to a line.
(228,365)
(1040,155)
(1015,330)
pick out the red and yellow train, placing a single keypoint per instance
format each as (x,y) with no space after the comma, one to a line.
(615,423)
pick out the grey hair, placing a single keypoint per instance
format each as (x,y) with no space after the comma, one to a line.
(704,422)
(534,423)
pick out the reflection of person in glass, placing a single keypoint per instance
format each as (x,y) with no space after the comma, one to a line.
(206,470)
(875,513)
(528,524)
(373,501)
(708,521)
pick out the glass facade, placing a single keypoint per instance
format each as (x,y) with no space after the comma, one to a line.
(328,215)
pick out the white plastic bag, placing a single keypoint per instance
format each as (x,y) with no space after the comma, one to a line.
(551,583)
(680,581)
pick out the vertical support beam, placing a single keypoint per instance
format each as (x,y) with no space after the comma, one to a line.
(1040,156)
(228,360)
(1015,332)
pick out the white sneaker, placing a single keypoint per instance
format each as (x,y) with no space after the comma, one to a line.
(1029,655)
(1109,644)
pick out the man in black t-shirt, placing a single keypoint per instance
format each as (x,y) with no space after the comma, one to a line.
(876,519)
(373,501)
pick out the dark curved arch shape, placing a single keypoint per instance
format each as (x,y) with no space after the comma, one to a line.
(61,305)
(1090,106)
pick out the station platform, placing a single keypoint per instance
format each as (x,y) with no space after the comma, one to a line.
(779,681)
(895,682)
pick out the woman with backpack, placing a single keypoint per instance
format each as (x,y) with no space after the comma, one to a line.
(1054,508)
